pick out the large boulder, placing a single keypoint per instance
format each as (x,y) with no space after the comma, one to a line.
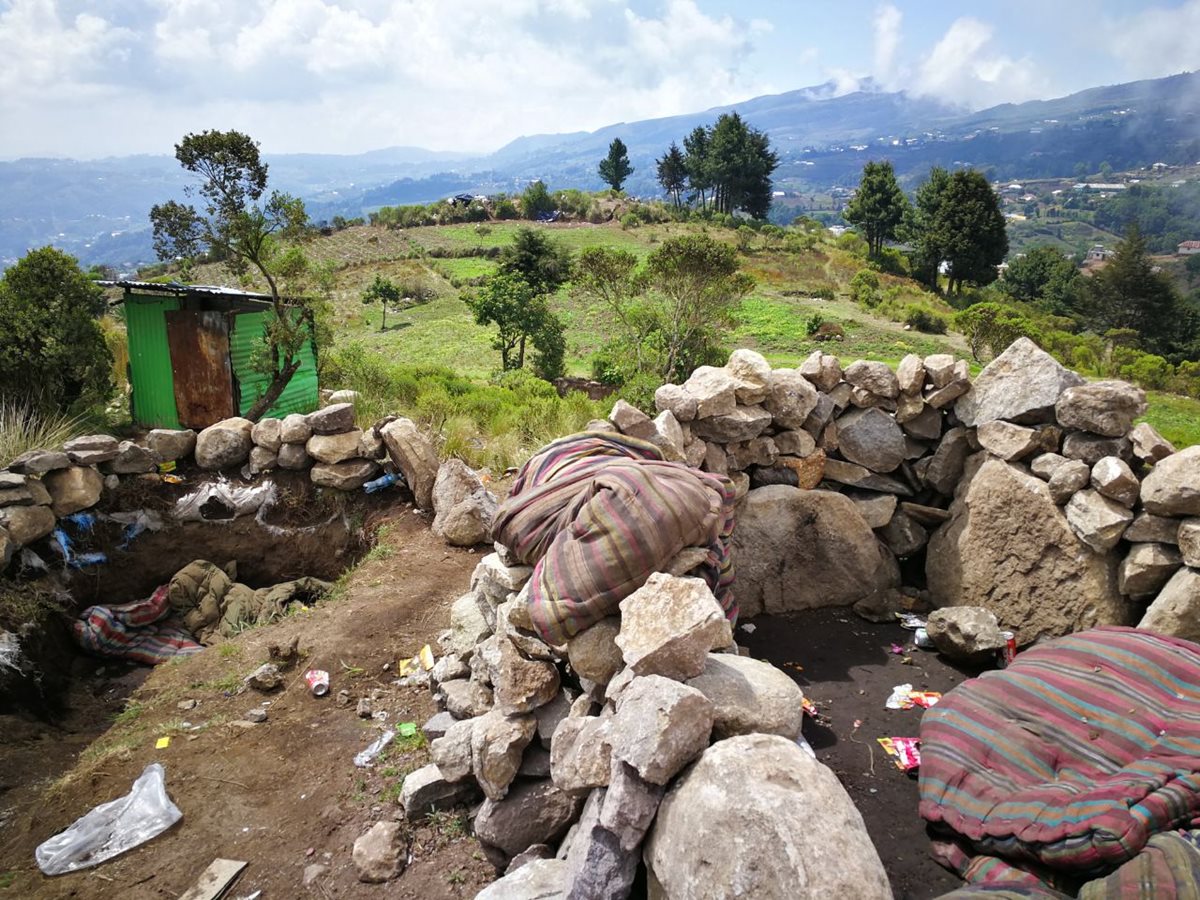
(742,424)
(1098,521)
(428,790)
(267,433)
(660,726)
(412,451)
(1147,568)
(1106,408)
(967,634)
(1148,445)
(349,475)
(25,524)
(790,398)
(669,625)
(581,753)
(594,653)
(225,444)
(715,391)
(73,489)
(533,813)
(91,449)
(39,462)
(381,853)
(823,370)
(1009,548)
(171,443)
(798,832)
(1176,609)
(1173,486)
(541,879)
(463,508)
(873,377)
(522,685)
(871,438)
(334,448)
(674,399)
(497,744)
(798,549)
(1020,385)
(332,419)
(294,429)
(749,696)
(131,459)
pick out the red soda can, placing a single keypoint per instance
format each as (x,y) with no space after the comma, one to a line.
(1008,652)
(317,681)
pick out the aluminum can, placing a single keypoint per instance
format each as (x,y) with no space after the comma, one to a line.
(317,681)
(1008,652)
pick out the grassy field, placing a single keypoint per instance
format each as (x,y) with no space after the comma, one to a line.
(771,319)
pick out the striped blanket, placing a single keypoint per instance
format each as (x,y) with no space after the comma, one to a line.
(1070,759)
(597,513)
(143,632)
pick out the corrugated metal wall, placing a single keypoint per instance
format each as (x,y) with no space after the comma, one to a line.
(150,361)
(300,395)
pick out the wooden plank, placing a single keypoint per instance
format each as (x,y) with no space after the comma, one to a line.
(199,344)
(215,880)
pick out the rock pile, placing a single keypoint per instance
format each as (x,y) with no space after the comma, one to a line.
(610,751)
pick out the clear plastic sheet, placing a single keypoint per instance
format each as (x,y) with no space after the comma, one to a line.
(112,828)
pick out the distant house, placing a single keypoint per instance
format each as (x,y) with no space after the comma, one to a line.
(1098,253)
(191,351)
(1187,248)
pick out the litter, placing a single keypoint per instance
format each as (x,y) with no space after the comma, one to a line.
(366,757)
(905,751)
(423,661)
(112,828)
(407,729)
(897,649)
(162,743)
(805,746)
(904,697)
(383,481)
(749,628)
(10,651)
(29,561)
(84,521)
(922,639)
(219,501)
(135,523)
(62,543)
(172,479)
(166,467)
(911,621)
(215,880)
(317,681)
(810,707)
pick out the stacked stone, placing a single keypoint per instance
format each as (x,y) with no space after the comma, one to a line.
(39,487)
(580,751)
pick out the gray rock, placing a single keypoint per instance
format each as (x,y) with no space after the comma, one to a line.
(790,399)
(909,407)
(1147,568)
(1188,537)
(497,744)
(495,579)
(26,524)
(629,804)
(752,373)
(667,435)
(265,678)
(542,879)
(436,726)
(1044,465)
(1007,441)
(523,684)
(1020,385)
(332,419)
(1148,528)
(294,429)
(451,752)
(581,753)
(631,420)
(262,460)
(463,507)
(1010,549)
(1091,448)
(334,448)
(784,849)
(660,726)
(467,624)
(910,374)
(257,715)
(533,854)
(1173,486)
(598,867)
(1176,609)
(761,451)
(939,369)
(854,475)
(1072,476)
(39,462)
(428,790)
(413,453)
(267,433)
(874,377)
(447,668)
(749,696)
(925,425)
(823,370)
(344,476)
(674,399)
(293,457)
(669,625)
(370,446)
(1106,408)
(549,715)
(715,391)
(91,450)
(1098,521)
(960,383)
(1148,445)
(131,460)
(464,698)
(8,547)
(799,549)
(904,536)
(225,444)
(876,509)
(532,813)
(930,516)
(795,443)
(871,438)
(73,489)
(594,653)
(742,424)
(946,465)
(1113,478)
(380,854)
(966,634)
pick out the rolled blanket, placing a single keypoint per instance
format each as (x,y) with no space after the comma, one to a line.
(143,632)
(597,513)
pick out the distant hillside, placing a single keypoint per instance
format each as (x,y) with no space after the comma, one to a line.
(98,209)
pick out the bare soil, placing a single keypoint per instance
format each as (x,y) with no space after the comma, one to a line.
(285,796)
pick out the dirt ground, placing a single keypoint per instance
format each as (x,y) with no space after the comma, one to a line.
(284,795)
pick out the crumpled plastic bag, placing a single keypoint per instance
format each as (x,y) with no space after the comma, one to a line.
(219,500)
(112,828)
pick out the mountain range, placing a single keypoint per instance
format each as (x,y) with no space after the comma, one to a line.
(97,209)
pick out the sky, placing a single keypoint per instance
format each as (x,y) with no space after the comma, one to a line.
(93,78)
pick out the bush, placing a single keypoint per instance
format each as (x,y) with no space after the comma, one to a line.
(639,391)
(536,200)
(814,323)
(926,320)
(24,427)
(630,220)
(506,209)
(864,288)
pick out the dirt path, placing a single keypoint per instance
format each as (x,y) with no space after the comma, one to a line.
(283,795)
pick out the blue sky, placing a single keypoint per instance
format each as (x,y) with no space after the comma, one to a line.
(89,78)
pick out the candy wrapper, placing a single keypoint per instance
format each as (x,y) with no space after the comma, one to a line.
(904,697)
(905,751)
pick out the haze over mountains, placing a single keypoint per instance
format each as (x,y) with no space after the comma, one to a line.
(98,209)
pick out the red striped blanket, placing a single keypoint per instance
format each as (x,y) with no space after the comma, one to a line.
(143,632)
(597,513)
(1072,757)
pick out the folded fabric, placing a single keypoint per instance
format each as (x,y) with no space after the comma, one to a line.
(597,513)
(143,632)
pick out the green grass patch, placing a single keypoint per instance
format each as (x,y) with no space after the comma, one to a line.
(1176,418)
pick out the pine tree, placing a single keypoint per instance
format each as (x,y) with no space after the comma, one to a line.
(672,172)
(615,167)
(879,206)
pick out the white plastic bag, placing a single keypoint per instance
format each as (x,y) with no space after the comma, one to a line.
(220,501)
(112,828)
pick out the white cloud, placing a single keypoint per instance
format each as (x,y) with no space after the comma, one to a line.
(886,26)
(1157,41)
(961,68)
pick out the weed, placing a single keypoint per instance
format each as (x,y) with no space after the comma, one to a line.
(22,603)
(130,714)
(25,427)
(351,670)
(229,650)
(391,793)
(389,772)
(7,879)
(381,549)
(458,876)
(449,824)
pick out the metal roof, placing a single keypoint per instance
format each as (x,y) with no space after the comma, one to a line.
(179,289)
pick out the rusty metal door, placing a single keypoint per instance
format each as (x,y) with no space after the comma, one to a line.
(199,344)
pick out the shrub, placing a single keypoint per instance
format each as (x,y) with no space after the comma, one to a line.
(24,427)
(630,220)
(926,320)
(814,323)
(506,209)
(1149,371)
(864,288)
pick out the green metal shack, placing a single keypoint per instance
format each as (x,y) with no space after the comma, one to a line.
(190,351)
